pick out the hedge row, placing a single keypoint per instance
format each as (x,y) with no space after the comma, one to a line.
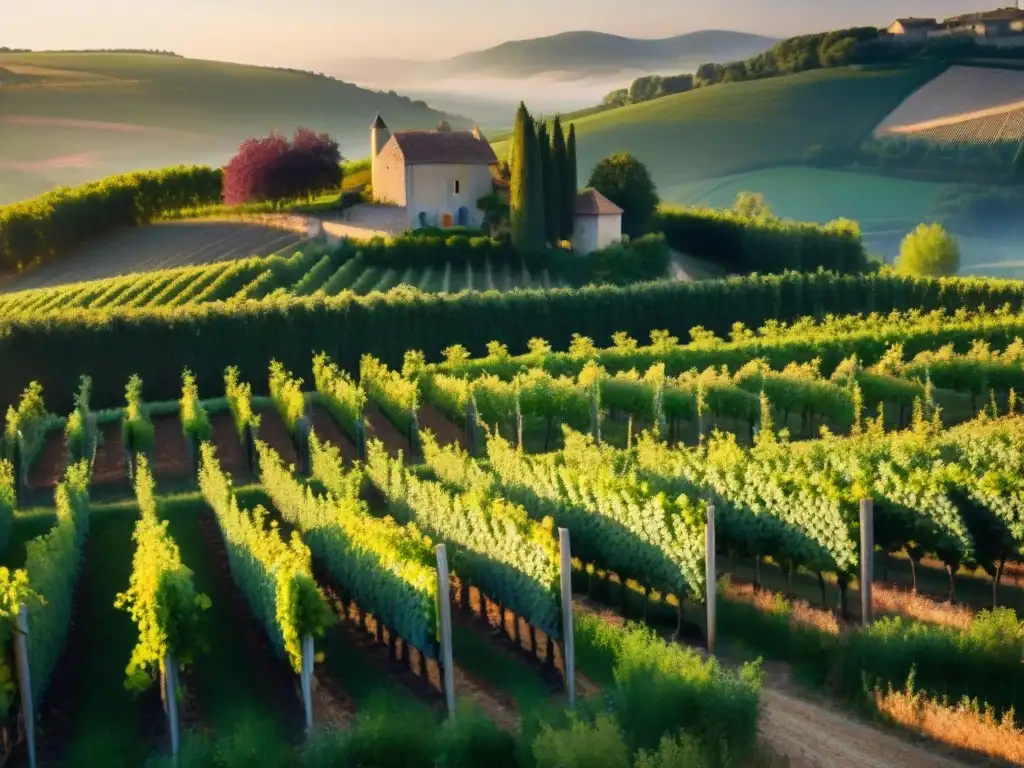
(45,227)
(644,258)
(744,244)
(157,343)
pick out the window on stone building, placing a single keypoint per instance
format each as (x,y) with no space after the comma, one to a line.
(455,186)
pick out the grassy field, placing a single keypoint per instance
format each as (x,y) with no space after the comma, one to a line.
(68,117)
(734,127)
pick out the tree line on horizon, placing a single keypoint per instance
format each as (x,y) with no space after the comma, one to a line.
(542,168)
(150,51)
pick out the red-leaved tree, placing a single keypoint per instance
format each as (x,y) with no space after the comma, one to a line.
(275,169)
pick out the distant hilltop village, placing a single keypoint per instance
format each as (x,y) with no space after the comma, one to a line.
(1001,27)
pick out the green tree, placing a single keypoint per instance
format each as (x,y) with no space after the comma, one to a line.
(538,226)
(626,182)
(929,251)
(752,205)
(547,166)
(559,198)
(570,185)
(524,163)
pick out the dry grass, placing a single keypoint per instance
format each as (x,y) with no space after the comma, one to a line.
(963,726)
(886,600)
(801,613)
(899,602)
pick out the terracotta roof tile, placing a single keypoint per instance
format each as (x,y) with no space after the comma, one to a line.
(422,147)
(590,202)
(915,22)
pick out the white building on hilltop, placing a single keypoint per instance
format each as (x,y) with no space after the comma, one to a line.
(437,177)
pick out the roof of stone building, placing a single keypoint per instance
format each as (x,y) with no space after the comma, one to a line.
(378,122)
(911,21)
(590,202)
(444,147)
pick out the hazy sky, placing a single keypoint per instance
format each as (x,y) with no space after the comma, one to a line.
(304,32)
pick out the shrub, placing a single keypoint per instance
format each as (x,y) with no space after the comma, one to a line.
(273,168)
(195,423)
(137,430)
(748,239)
(76,432)
(583,745)
(663,688)
(631,261)
(929,251)
(385,735)
(26,426)
(472,740)
(626,182)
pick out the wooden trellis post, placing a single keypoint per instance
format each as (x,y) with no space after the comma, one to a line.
(444,612)
(568,641)
(170,687)
(306,680)
(711,579)
(867,557)
(25,684)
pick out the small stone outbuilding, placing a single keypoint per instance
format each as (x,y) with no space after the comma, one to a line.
(598,222)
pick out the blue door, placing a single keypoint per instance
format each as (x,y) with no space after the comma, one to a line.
(463,216)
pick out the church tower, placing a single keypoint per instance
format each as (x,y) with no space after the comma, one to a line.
(379,135)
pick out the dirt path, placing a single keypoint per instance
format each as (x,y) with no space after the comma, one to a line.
(381,428)
(812,735)
(229,446)
(327,430)
(686,268)
(274,433)
(48,466)
(445,430)
(170,454)
(109,466)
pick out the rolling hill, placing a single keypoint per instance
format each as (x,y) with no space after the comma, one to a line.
(571,55)
(735,127)
(71,117)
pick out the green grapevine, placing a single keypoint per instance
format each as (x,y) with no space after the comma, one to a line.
(161,597)
(274,575)
(387,568)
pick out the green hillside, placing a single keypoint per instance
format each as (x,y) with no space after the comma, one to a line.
(72,117)
(590,52)
(736,127)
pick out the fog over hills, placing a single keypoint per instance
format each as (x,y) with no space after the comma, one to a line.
(570,55)
(560,72)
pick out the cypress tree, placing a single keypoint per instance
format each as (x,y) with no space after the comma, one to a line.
(535,230)
(552,211)
(560,162)
(570,185)
(519,192)
(1017,166)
